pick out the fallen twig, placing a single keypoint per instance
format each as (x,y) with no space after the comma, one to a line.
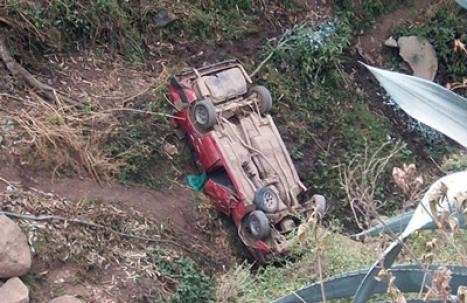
(155,85)
(155,239)
(281,42)
(7,182)
(18,71)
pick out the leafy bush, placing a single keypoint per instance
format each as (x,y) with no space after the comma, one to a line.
(193,285)
(313,50)
(441,30)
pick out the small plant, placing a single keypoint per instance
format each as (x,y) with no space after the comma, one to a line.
(193,285)
(360,180)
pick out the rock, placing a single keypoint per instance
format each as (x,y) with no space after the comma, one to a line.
(391,42)
(66,299)
(420,55)
(15,255)
(14,291)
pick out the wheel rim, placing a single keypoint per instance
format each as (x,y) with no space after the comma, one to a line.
(269,200)
(201,115)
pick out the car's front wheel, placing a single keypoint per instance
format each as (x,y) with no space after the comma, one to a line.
(258,224)
(267,200)
(204,113)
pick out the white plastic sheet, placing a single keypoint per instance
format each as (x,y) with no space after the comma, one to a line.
(427,102)
(462,3)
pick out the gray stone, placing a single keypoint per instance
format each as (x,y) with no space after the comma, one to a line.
(14,291)
(15,255)
(66,299)
(391,42)
(420,55)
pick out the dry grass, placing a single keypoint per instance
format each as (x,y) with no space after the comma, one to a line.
(94,249)
(231,285)
(68,138)
(360,181)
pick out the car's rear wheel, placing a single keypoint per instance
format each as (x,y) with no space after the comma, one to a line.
(258,224)
(204,114)
(267,200)
(264,98)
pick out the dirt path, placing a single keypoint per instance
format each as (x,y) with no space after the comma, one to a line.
(170,207)
(177,208)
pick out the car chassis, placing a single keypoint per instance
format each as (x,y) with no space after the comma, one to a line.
(250,175)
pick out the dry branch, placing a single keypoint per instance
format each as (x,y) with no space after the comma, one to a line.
(155,239)
(18,71)
(359,179)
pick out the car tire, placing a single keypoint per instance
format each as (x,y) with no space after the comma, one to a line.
(204,113)
(267,200)
(264,98)
(258,224)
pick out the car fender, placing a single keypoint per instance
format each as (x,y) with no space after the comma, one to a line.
(222,196)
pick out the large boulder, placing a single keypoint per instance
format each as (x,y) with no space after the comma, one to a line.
(66,299)
(15,255)
(420,55)
(14,291)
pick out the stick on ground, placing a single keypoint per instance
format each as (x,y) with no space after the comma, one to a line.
(18,71)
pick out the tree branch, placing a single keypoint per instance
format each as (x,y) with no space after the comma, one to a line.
(18,71)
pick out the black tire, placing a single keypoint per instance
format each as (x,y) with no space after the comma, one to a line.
(264,98)
(204,113)
(267,200)
(258,224)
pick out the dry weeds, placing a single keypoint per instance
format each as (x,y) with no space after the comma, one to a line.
(68,138)
(360,181)
(93,248)
(232,284)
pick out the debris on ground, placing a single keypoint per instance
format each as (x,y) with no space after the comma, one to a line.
(92,236)
(312,35)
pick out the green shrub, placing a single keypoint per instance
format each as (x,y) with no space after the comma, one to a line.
(441,30)
(193,285)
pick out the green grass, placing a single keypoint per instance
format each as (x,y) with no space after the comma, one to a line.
(363,14)
(140,141)
(130,28)
(193,285)
(271,282)
(339,254)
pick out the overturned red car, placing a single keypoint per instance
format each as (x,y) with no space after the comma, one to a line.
(250,175)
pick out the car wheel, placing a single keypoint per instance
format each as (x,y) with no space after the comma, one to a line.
(259,224)
(264,98)
(204,114)
(267,200)
(320,204)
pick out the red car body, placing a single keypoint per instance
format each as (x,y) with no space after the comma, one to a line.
(225,186)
